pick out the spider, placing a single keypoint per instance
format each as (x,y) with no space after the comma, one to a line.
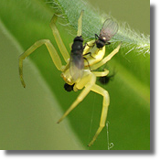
(79,71)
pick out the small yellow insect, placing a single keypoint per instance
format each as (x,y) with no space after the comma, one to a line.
(78,73)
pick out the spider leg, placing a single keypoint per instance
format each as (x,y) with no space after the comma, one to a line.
(91,79)
(107,58)
(58,39)
(106,101)
(101,74)
(79,32)
(87,46)
(52,51)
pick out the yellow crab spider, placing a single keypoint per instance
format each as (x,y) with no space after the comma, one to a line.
(76,73)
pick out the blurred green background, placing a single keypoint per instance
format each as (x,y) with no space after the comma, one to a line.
(28,116)
(135,12)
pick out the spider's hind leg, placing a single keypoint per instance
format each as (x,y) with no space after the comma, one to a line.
(106,101)
(88,81)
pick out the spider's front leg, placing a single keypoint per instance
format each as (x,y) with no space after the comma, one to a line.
(58,38)
(52,51)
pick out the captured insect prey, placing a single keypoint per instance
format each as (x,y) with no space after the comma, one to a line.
(108,30)
(79,72)
(76,59)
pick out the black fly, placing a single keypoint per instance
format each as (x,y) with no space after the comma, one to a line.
(109,29)
(76,63)
(76,59)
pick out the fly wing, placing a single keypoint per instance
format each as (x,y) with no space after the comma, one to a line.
(76,66)
(109,29)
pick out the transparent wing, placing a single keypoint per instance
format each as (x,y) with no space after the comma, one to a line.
(109,29)
(76,66)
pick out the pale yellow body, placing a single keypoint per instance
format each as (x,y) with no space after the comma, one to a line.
(96,53)
(88,79)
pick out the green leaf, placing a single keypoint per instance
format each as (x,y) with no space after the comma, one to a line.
(129,110)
